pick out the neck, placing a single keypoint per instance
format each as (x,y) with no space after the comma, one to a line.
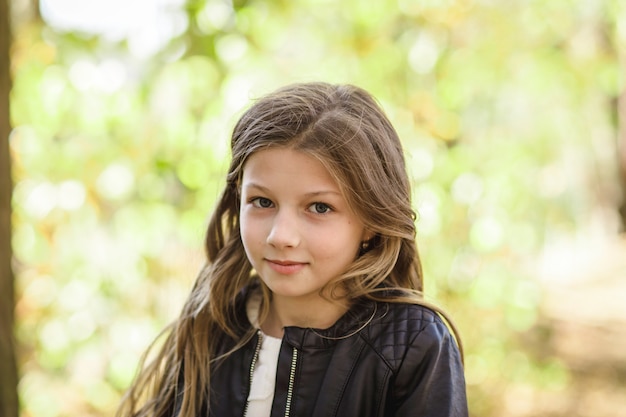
(316,313)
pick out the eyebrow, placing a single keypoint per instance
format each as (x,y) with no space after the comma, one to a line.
(311,194)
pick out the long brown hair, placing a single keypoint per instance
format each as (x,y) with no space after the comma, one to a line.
(347,131)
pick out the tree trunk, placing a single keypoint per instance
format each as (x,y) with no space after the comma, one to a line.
(8,367)
(621,153)
(614,46)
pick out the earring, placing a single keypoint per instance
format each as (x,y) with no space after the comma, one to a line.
(365,245)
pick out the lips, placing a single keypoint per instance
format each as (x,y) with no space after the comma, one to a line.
(285,267)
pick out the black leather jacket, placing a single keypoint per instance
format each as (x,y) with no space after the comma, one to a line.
(403,362)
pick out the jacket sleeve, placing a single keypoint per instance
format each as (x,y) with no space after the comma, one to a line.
(430,381)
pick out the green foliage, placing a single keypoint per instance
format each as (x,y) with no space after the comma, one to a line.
(119,154)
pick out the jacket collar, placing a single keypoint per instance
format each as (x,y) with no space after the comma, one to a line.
(355,320)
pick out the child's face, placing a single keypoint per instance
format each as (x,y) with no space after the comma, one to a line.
(297,228)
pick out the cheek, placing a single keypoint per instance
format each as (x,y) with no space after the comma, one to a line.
(251,231)
(247,241)
(244,228)
(336,247)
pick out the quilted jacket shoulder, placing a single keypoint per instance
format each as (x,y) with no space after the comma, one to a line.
(398,327)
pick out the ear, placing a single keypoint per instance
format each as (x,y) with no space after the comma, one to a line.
(367,235)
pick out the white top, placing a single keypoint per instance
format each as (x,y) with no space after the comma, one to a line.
(264,375)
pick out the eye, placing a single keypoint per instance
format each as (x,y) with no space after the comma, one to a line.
(261,202)
(320,208)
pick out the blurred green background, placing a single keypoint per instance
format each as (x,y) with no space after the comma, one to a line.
(508,110)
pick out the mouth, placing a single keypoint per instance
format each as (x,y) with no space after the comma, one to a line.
(284,263)
(285,267)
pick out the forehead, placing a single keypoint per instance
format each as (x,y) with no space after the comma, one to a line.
(287,166)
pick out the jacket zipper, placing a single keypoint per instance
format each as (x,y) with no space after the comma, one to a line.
(292,377)
(292,374)
(255,357)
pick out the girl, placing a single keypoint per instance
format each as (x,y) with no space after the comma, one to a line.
(310,302)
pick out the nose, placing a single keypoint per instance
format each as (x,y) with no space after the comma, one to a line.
(284,232)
